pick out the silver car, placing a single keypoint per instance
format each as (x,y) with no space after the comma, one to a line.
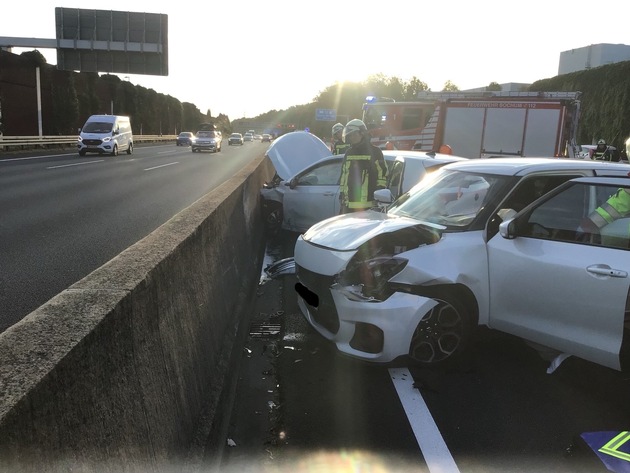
(492,242)
(207,140)
(305,189)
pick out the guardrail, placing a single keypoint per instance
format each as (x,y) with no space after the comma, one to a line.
(30,142)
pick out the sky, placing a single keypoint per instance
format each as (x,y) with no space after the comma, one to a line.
(243,58)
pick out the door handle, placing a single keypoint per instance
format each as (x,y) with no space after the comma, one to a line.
(605,270)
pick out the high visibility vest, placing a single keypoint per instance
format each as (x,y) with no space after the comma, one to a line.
(339,147)
(355,181)
(605,155)
(616,207)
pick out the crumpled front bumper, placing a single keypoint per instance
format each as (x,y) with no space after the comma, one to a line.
(397,319)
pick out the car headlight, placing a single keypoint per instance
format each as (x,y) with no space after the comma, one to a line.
(369,279)
(106,139)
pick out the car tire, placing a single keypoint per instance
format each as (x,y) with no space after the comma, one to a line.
(130,148)
(115,151)
(444,333)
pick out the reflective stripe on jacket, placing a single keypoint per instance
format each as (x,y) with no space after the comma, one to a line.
(617,206)
(605,155)
(363,171)
(355,181)
(339,147)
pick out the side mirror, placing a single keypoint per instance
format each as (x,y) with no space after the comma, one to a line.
(383,196)
(293,183)
(507,229)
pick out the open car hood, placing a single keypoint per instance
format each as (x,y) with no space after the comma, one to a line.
(292,152)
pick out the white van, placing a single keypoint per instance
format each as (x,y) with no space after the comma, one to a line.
(109,134)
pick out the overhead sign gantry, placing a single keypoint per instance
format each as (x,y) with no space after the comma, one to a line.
(106,41)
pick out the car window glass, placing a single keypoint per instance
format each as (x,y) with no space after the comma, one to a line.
(524,193)
(97,127)
(395,177)
(325,175)
(560,218)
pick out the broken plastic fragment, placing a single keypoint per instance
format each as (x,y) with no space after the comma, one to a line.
(231,443)
(556,362)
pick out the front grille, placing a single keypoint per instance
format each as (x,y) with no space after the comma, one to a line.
(92,142)
(325,314)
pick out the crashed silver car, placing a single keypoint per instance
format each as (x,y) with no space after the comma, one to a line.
(415,281)
(305,189)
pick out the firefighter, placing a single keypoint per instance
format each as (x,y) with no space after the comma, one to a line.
(617,206)
(602,152)
(363,169)
(338,145)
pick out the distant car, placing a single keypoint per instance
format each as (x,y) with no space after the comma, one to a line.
(266,138)
(305,189)
(248,137)
(258,137)
(235,139)
(207,140)
(484,242)
(185,138)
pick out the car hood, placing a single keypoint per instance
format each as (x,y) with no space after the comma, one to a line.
(292,152)
(349,231)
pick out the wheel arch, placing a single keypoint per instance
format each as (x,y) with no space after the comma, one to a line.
(458,291)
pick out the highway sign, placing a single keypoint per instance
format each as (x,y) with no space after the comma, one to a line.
(326,114)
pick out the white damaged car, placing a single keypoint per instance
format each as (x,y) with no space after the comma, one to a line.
(448,256)
(305,189)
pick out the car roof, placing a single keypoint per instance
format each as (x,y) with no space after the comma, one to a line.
(606,180)
(422,155)
(524,166)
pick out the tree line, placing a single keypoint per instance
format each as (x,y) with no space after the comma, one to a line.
(605,102)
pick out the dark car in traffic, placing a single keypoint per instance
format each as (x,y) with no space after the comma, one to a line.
(184,138)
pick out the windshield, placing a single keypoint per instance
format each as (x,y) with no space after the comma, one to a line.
(97,127)
(449,197)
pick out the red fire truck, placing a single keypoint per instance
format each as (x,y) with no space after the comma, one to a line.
(478,124)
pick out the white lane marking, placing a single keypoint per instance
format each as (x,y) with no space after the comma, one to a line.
(161,166)
(434,450)
(75,164)
(36,157)
(170,151)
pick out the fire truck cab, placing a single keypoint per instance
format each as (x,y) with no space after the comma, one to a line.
(478,124)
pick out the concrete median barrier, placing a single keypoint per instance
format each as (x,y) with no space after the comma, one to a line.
(124,370)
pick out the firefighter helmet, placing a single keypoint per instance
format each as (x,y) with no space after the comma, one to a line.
(337,127)
(601,142)
(354,126)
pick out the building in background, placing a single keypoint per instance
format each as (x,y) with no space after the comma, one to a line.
(595,55)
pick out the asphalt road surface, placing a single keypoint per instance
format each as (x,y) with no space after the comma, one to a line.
(63,215)
(301,406)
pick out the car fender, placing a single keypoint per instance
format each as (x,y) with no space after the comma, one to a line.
(275,194)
